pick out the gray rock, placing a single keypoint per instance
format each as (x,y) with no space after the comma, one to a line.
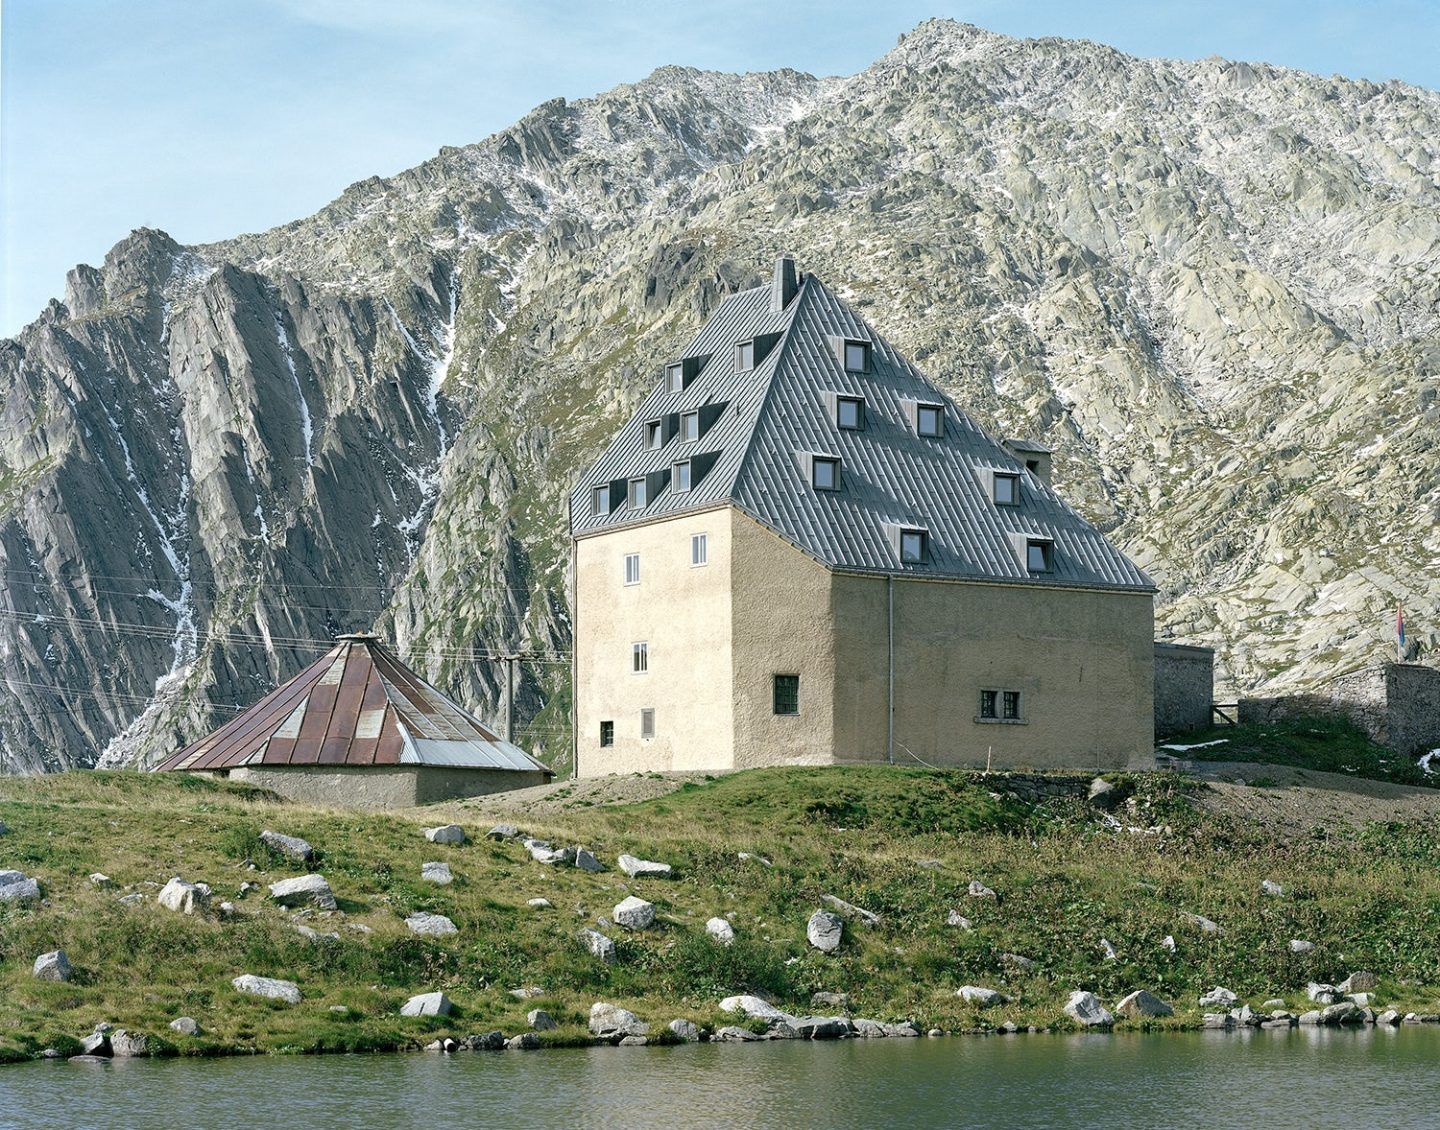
(52,966)
(1087,1010)
(1345,1012)
(502,832)
(485,1042)
(427,1004)
(430,925)
(849,910)
(929,864)
(1205,925)
(185,1025)
(1217,1020)
(599,945)
(129,1045)
(904,1030)
(1361,982)
(97,1043)
(1271,888)
(436,873)
(634,913)
(955,918)
(1389,1017)
(753,1006)
(541,852)
(133,899)
(269,987)
(304,890)
(781,1030)
(985,998)
(733,1034)
(540,1020)
(538,904)
(1309,1019)
(644,868)
(609,1020)
(1017,963)
(586,861)
(840,1001)
(1299,945)
(720,930)
(1108,951)
(183,897)
(527,992)
(979,890)
(1273,1002)
(1102,793)
(16,886)
(1362,999)
(1244,1016)
(1218,996)
(685,1030)
(446,834)
(292,846)
(314,935)
(1321,993)
(633,1041)
(527,1042)
(101,881)
(820,1027)
(1168,942)
(760,859)
(339,1009)
(869,1029)
(1143,1004)
(824,930)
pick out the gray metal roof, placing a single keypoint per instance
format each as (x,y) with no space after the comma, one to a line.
(890,476)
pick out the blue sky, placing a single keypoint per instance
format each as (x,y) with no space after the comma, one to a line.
(212,117)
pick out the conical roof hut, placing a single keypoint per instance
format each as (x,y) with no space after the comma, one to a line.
(359,728)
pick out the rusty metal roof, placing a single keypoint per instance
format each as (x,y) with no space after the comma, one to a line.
(356,706)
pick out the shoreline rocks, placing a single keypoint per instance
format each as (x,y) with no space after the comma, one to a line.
(1086,1009)
(427,1004)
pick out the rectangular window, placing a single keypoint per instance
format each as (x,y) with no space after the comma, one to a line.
(999,706)
(825,474)
(602,500)
(850,413)
(675,377)
(607,734)
(654,439)
(787,694)
(639,658)
(1039,556)
(1010,705)
(745,356)
(647,723)
(1006,489)
(857,356)
(929,419)
(989,704)
(699,549)
(913,546)
(680,476)
(632,568)
(689,427)
(639,496)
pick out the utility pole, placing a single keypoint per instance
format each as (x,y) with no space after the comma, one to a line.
(510,663)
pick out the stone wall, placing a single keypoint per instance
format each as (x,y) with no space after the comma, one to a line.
(1184,688)
(381,786)
(1397,704)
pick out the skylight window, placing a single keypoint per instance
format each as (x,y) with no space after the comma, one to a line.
(1005,489)
(929,419)
(857,356)
(850,413)
(914,545)
(825,473)
(745,356)
(1039,556)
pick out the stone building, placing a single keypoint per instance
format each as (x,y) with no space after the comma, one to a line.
(800,551)
(357,728)
(1184,688)
(1396,704)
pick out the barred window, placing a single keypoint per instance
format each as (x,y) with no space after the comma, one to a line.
(787,694)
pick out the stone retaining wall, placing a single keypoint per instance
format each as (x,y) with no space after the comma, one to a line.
(1184,688)
(1397,704)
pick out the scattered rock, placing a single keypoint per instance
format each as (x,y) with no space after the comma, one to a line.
(1271,888)
(427,1004)
(292,846)
(1016,963)
(869,1029)
(247,886)
(1362,999)
(1143,1005)
(609,1020)
(744,855)
(633,1041)
(52,966)
(824,930)
(1274,1002)
(541,852)
(1299,945)
(1244,1016)
(540,1020)
(821,1027)
(485,1042)
(781,1030)
(1344,1012)
(446,834)
(1389,1018)
(502,832)
(1102,793)
(979,890)
(753,1006)
(314,935)
(936,1033)
(1362,982)
(16,886)
(599,945)
(985,998)
(685,1030)
(98,1042)
(634,913)
(183,897)
(733,1034)
(905,1029)
(1217,1020)
(851,911)
(526,1042)
(586,861)
(1168,942)
(1322,994)
(1087,1009)
(305,890)
(431,925)
(955,918)
(840,1001)
(929,864)
(133,899)
(1205,925)
(436,873)
(538,904)
(721,931)
(1218,996)
(129,1045)
(185,1025)
(269,987)
(1309,1019)
(1108,951)
(644,868)
(102,881)
(527,992)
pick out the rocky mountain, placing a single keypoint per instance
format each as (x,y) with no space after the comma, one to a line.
(1212,286)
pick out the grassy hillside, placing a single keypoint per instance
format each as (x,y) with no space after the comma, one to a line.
(1368,897)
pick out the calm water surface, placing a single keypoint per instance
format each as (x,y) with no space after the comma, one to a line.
(1368,1078)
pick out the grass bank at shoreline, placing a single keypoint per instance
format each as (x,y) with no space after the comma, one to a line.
(904,844)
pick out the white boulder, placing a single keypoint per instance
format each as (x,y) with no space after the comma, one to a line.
(975,994)
(1087,1010)
(430,925)
(644,868)
(52,966)
(824,931)
(304,890)
(599,945)
(446,834)
(753,1006)
(1143,1005)
(611,1020)
(183,897)
(185,1025)
(427,1004)
(979,890)
(1218,998)
(720,930)
(634,913)
(271,988)
(436,873)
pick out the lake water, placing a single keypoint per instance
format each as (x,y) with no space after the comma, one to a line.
(1382,1077)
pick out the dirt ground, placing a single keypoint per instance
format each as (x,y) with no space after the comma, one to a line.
(563,796)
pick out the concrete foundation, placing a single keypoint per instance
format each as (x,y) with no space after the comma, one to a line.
(380,786)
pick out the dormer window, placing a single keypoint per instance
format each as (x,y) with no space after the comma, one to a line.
(1039,555)
(654,437)
(639,495)
(602,499)
(675,377)
(680,476)
(929,420)
(825,473)
(914,546)
(1005,489)
(689,427)
(857,356)
(850,413)
(745,356)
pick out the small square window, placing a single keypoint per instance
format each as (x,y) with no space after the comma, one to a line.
(607,734)
(1010,705)
(787,694)
(699,549)
(647,723)
(639,494)
(689,427)
(929,419)
(602,500)
(1039,556)
(989,704)
(680,476)
(913,546)
(675,377)
(1006,489)
(826,474)
(857,356)
(639,658)
(850,413)
(632,568)
(745,356)
(654,438)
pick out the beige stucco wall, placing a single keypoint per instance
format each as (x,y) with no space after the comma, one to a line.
(381,786)
(683,613)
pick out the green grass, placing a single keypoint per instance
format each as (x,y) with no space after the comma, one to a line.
(1330,745)
(1369,898)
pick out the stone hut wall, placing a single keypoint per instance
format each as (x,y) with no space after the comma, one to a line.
(1184,688)
(1397,704)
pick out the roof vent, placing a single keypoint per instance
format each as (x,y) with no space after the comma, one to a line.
(784,285)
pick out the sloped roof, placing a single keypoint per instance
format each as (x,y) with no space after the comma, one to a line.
(356,706)
(891,477)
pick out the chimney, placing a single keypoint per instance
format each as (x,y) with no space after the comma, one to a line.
(784,285)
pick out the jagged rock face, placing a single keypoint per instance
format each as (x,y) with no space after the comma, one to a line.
(1211,286)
